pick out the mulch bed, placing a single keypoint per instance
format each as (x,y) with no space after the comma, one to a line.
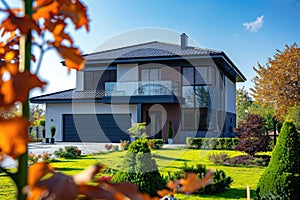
(259,160)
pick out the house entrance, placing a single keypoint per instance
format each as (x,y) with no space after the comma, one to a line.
(153,122)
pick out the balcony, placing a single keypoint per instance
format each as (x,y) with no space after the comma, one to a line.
(141,88)
(135,92)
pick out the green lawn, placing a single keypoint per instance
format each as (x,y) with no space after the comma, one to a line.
(167,160)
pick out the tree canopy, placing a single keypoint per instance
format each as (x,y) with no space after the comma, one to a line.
(243,102)
(277,84)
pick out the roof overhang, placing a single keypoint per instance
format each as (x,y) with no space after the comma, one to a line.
(221,60)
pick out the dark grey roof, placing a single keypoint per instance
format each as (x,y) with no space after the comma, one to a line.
(148,50)
(158,50)
(69,95)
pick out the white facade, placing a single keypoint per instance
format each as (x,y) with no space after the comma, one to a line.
(55,113)
(230,101)
(127,72)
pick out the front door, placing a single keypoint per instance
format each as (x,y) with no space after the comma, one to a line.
(154,124)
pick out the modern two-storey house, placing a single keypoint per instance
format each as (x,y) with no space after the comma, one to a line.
(155,82)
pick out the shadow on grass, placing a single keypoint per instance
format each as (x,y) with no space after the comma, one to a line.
(58,161)
(168,149)
(66,169)
(168,158)
(82,157)
(167,168)
(232,193)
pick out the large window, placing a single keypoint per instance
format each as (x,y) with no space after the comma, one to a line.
(151,74)
(195,92)
(95,80)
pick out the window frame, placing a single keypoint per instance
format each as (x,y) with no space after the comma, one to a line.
(198,111)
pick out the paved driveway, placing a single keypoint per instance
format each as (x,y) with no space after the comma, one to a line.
(86,148)
(39,148)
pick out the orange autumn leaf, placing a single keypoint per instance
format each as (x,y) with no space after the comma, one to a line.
(57,29)
(72,56)
(45,10)
(39,3)
(191,184)
(59,187)
(7,94)
(87,175)
(173,185)
(94,192)
(164,192)
(55,184)
(23,82)
(76,11)
(13,22)
(13,136)
(122,189)
(18,87)
(37,171)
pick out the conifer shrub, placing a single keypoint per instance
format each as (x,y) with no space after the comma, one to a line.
(281,179)
(140,169)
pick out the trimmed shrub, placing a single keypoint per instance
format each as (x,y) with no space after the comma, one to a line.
(188,141)
(156,143)
(140,168)
(220,181)
(221,143)
(170,131)
(281,179)
(228,144)
(235,142)
(194,143)
(68,152)
(197,143)
(211,143)
(206,143)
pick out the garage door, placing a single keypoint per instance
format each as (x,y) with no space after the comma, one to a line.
(96,128)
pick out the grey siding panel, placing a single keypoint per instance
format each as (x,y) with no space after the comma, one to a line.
(96,128)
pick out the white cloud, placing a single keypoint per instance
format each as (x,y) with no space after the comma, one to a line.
(256,25)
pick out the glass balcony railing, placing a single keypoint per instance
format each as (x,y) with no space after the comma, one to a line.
(141,88)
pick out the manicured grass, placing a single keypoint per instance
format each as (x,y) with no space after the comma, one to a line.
(167,160)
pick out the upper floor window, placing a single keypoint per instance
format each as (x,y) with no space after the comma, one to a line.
(95,80)
(151,74)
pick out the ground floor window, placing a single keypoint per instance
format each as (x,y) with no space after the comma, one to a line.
(195,119)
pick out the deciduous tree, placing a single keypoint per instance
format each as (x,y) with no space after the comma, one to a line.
(277,84)
(251,134)
(243,102)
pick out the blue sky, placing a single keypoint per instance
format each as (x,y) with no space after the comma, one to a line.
(214,24)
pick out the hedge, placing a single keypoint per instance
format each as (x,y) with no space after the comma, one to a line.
(212,143)
(156,143)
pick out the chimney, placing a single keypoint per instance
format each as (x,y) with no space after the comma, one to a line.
(184,41)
